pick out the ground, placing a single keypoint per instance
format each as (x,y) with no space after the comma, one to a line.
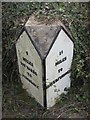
(19,104)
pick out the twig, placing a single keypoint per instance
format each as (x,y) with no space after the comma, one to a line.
(63,112)
(67,106)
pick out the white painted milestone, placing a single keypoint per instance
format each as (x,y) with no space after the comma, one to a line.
(30,67)
(58,64)
(45,54)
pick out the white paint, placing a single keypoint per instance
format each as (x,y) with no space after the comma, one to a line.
(53,92)
(24,44)
(62,48)
(64,43)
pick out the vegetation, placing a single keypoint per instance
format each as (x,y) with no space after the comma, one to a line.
(76,17)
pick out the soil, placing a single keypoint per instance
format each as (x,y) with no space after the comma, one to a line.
(18,104)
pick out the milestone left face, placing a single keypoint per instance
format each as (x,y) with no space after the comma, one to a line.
(30,67)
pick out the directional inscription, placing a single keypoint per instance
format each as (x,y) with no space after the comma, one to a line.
(45,62)
(30,67)
(58,64)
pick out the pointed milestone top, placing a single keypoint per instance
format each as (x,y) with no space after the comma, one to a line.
(42,33)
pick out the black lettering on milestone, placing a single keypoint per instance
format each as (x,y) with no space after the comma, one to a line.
(23,64)
(31,70)
(60,70)
(61,52)
(60,61)
(27,61)
(29,74)
(30,81)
